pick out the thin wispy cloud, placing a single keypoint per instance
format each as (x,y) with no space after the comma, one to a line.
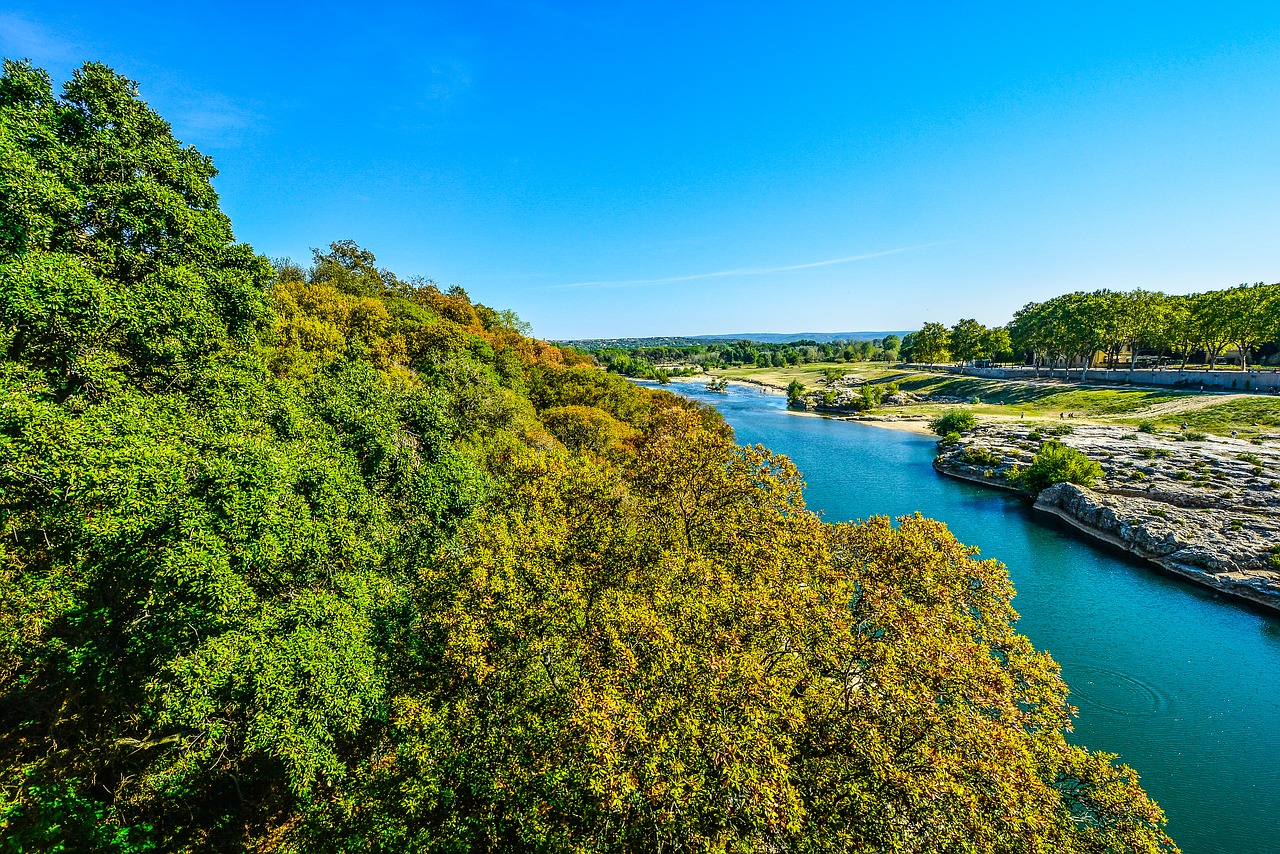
(212,118)
(742,271)
(201,117)
(24,39)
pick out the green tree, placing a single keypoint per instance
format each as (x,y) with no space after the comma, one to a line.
(891,345)
(1249,312)
(931,344)
(117,265)
(1030,335)
(1146,316)
(795,391)
(966,340)
(1179,333)
(996,344)
(1212,319)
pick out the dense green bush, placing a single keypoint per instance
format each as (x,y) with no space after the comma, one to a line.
(795,392)
(1058,463)
(953,421)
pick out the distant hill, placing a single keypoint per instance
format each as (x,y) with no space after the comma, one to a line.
(820,337)
(759,337)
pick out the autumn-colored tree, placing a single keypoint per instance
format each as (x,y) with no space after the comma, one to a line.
(585,428)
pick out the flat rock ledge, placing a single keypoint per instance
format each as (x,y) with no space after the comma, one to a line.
(1207,511)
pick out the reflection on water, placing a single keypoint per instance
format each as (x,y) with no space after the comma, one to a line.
(1181,684)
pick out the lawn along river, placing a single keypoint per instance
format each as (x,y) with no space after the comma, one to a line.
(1182,685)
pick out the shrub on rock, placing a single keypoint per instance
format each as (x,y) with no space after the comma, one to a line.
(1058,463)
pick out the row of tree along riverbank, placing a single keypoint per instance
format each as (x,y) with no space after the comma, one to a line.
(1115,328)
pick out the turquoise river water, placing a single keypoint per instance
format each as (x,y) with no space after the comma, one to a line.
(1183,685)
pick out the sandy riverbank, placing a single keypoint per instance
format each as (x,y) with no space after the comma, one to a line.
(908,425)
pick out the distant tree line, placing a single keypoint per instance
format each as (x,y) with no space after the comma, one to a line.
(653,362)
(1143,325)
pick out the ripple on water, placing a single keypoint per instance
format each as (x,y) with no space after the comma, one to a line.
(1097,688)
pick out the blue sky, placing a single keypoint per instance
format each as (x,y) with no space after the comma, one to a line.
(656,169)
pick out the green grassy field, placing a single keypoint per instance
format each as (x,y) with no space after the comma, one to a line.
(1251,416)
(812,375)
(1041,398)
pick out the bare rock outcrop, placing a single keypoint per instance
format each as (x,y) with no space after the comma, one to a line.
(1207,510)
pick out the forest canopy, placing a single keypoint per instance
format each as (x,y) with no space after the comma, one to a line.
(316,558)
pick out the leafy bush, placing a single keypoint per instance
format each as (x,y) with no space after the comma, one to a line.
(1195,436)
(953,421)
(1148,427)
(1058,463)
(950,439)
(979,457)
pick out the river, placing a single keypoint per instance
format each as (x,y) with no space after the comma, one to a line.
(1181,684)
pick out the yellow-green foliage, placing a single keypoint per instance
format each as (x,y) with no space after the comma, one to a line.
(585,428)
(321,560)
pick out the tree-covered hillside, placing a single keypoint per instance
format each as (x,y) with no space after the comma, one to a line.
(318,559)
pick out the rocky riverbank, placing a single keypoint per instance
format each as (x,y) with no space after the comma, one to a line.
(1207,510)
